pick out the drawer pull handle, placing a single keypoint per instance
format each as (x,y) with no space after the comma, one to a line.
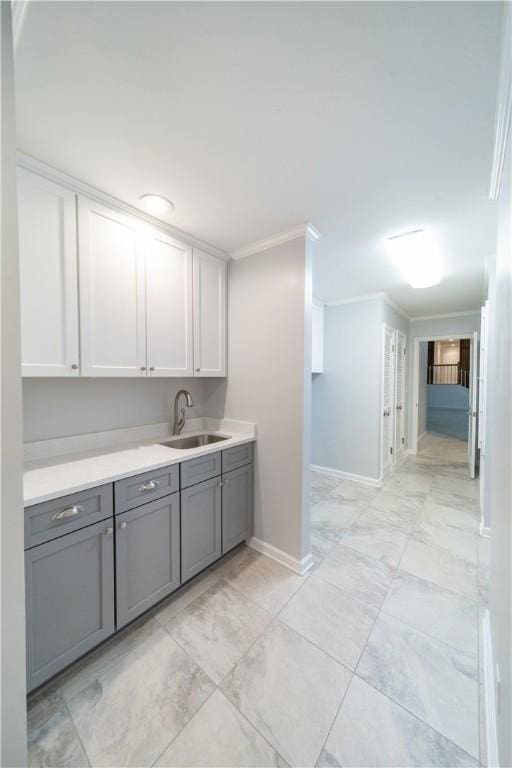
(149,486)
(63,514)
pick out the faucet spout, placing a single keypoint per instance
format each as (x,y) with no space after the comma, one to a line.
(179,420)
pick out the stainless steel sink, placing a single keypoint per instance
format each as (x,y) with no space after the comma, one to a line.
(193,441)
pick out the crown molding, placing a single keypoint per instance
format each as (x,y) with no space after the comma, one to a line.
(446,315)
(503,105)
(369,297)
(83,188)
(307,230)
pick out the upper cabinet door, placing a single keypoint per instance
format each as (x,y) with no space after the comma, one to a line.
(112,293)
(209,315)
(48,277)
(168,306)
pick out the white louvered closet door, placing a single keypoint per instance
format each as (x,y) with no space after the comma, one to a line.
(400,350)
(388,397)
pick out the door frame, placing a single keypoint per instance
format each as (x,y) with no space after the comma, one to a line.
(413,448)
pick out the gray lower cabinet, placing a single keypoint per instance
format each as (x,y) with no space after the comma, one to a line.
(70,599)
(237,497)
(147,556)
(201,521)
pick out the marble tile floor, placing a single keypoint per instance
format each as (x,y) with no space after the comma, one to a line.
(372,659)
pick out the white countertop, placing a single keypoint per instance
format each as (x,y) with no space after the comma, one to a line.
(49,478)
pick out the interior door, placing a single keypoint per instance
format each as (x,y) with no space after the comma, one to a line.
(168,306)
(473,407)
(388,396)
(400,350)
(112,292)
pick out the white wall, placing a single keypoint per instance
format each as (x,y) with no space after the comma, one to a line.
(422,390)
(61,407)
(346,403)
(269,379)
(457,326)
(347,397)
(499,459)
(13,705)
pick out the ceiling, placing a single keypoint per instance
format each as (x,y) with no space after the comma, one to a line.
(366,119)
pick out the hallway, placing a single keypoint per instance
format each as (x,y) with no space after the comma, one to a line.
(377,648)
(411,550)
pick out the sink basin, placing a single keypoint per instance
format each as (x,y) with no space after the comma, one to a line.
(193,441)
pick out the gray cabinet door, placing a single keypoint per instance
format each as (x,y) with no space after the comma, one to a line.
(69,599)
(147,556)
(237,497)
(200,527)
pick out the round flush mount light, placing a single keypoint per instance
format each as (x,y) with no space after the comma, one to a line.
(156,205)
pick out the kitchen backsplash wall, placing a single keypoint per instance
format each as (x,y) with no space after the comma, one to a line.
(61,407)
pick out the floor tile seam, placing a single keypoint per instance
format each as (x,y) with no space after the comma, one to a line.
(444,549)
(351,598)
(445,552)
(335,717)
(227,583)
(156,615)
(345,592)
(342,664)
(417,717)
(413,714)
(77,732)
(183,728)
(254,726)
(427,635)
(189,656)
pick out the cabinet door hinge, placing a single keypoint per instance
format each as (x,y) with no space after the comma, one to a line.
(391,450)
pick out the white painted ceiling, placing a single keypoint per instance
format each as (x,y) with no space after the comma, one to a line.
(367,119)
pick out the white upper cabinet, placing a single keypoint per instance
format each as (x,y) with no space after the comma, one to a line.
(48,277)
(169,324)
(317,356)
(112,292)
(209,315)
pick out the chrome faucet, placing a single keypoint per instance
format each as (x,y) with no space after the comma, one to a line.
(179,421)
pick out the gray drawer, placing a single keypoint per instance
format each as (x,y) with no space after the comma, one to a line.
(196,470)
(149,486)
(232,458)
(50,519)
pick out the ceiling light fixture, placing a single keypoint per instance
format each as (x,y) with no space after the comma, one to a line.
(417,256)
(156,204)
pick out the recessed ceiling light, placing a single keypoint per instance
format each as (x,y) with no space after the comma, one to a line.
(156,204)
(417,256)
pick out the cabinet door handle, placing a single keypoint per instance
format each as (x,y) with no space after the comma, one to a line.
(122,525)
(225,482)
(220,483)
(74,366)
(63,514)
(109,531)
(149,486)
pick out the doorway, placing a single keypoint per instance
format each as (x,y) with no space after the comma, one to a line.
(445,392)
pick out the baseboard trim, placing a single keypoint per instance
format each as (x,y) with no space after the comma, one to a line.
(283,558)
(489,689)
(375,482)
(485,531)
